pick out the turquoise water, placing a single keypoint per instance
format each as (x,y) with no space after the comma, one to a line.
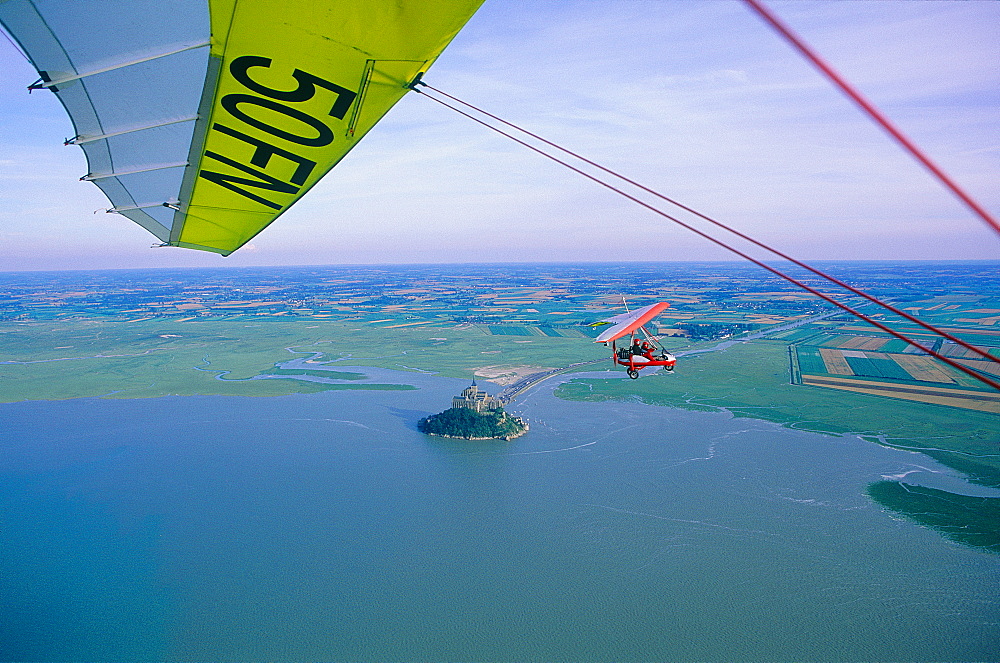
(326,527)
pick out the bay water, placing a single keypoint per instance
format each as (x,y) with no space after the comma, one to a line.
(326,527)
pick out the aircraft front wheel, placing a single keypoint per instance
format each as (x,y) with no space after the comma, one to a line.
(632,373)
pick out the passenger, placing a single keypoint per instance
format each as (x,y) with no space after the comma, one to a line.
(642,348)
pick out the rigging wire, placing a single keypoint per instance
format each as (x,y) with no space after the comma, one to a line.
(719,224)
(946,360)
(785,31)
(15,45)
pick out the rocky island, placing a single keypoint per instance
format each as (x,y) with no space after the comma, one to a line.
(474,415)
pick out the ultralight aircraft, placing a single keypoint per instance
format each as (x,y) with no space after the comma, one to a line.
(644,349)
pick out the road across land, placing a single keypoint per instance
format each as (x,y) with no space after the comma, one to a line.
(513,390)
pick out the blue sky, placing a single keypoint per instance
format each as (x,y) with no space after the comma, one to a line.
(698,99)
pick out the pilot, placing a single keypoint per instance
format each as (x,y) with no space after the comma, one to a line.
(644,348)
(637,347)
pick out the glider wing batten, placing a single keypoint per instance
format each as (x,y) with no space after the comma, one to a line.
(204,120)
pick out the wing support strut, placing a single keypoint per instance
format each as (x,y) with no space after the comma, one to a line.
(126,208)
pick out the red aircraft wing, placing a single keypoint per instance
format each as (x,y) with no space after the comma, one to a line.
(629,322)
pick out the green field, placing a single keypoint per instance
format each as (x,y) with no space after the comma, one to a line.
(85,358)
(974,521)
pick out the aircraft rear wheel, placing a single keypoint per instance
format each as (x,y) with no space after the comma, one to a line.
(632,373)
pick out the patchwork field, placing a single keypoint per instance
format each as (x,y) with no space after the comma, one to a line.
(885,366)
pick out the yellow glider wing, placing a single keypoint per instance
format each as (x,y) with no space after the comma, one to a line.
(204,120)
(297,88)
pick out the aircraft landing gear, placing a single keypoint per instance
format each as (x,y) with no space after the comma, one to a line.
(632,373)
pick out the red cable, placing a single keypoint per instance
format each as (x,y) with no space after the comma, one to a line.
(860,293)
(870,109)
(857,314)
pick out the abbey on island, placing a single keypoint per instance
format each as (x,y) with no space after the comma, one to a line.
(474,415)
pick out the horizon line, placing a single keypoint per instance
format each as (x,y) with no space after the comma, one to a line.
(981,261)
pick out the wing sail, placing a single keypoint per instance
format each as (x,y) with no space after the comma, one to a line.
(626,323)
(131,83)
(205,120)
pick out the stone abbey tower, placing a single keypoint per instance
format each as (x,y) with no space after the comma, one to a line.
(474,399)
